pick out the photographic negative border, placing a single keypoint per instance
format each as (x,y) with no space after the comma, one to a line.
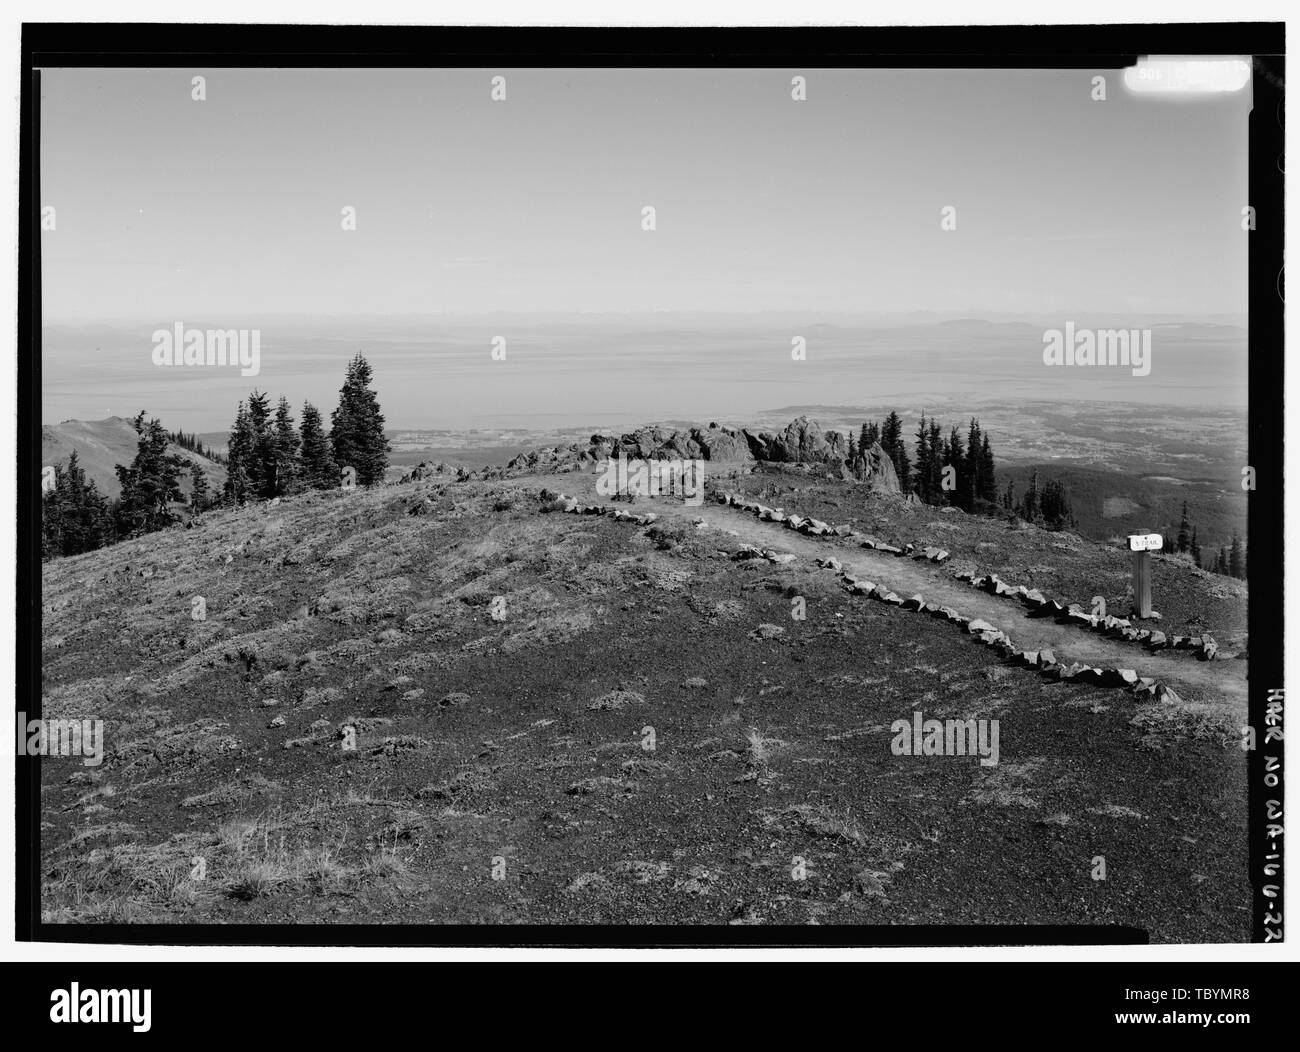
(1057,47)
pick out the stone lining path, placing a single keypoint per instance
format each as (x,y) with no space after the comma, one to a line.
(1216,685)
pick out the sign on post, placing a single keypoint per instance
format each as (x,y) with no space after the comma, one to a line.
(1145,542)
(1142,545)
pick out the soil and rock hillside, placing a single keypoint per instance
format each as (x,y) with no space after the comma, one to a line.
(434,702)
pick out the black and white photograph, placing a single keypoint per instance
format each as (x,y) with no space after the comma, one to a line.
(610,496)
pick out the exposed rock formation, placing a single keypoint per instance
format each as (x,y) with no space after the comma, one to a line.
(876,469)
(801,442)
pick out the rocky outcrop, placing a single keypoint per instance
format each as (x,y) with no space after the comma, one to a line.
(555,459)
(714,442)
(802,441)
(429,470)
(721,443)
(876,469)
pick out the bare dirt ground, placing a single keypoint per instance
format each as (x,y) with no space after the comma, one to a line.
(564,718)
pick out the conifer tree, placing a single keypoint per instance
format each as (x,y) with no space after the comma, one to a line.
(924,458)
(973,465)
(357,426)
(937,493)
(988,479)
(891,441)
(1029,510)
(261,464)
(1055,506)
(150,484)
(961,496)
(285,444)
(1237,557)
(199,495)
(240,451)
(318,469)
(1184,532)
(74,515)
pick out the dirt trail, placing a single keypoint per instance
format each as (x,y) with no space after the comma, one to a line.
(1203,681)
(1216,683)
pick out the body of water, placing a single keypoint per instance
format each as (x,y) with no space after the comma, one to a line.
(612,371)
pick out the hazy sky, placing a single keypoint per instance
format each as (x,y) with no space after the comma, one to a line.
(172,209)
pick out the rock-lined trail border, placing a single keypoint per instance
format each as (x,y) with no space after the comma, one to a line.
(1063,611)
(559,502)
(1043,659)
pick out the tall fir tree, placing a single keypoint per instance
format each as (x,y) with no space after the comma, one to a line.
(1184,532)
(1029,509)
(1237,557)
(318,468)
(240,451)
(285,443)
(261,471)
(956,459)
(199,495)
(357,426)
(924,458)
(988,477)
(891,441)
(937,493)
(973,464)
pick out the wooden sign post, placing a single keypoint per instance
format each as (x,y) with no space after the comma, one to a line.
(1142,545)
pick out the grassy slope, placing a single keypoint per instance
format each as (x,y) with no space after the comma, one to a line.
(478,740)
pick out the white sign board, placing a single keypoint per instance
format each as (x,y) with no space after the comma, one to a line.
(1145,542)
